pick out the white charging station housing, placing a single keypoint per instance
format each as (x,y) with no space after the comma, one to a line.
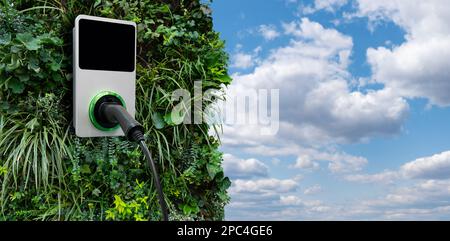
(104,61)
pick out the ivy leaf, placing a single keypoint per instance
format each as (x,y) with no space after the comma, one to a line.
(225,79)
(149,22)
(5,39)
(158,120)
(188,209)
(222,196)
(85,169)
(33,64)
(96,192)
(16,49)
(176,117)
(16,86)
(54,66)
(165,9)
(48,39)
(29,41)
(44,56)
(194,35)
(213,169)
(13,64)
(168,119)
(226,183)
(4,105)
(57,77)
(23,77)
(97,3)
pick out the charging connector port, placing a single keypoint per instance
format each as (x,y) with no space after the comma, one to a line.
(97,118)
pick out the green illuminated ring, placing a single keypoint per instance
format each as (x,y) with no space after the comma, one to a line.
(92,108)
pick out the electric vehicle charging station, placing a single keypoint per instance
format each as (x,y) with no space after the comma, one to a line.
(104,67)
(104,70)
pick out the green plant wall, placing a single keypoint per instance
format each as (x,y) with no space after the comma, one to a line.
(47,173)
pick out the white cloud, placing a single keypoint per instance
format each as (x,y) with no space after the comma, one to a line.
(419,67)
(269,32)
(321,209)
(425,200)
(271,199)
(320,108)
(313,190)
(243,168)
(276,161)
(257,50)
(433,167)
(433,193)
(290,200)
(386,177)
(317,106)
(321,37)
(265,186)
(327,5)
(316,103)
(308,158)
(304,162)
(242,61)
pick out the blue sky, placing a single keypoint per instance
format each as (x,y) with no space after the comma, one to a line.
(364,111)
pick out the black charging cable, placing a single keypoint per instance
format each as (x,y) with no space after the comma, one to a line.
(117,114)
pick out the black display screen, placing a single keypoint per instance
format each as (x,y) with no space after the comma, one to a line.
(106,46)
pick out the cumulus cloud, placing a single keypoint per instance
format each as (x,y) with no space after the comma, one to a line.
(321,37)
(277,199)
(242,61)
(243,168)
(269,32)
(425,200)
(317,107)
(264,186)
(315,97)
(386,177)
(308,158)
(290,200)
(419,67)
(268,199)
(433,193)
(433,167)
(313,190)
(304,162)
(275,205)
(327,5)
(245,60)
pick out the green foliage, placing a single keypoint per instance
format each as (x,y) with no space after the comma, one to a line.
(136,209)
(46,173)
(31,56)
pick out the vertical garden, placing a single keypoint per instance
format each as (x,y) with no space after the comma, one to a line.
(47,173)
